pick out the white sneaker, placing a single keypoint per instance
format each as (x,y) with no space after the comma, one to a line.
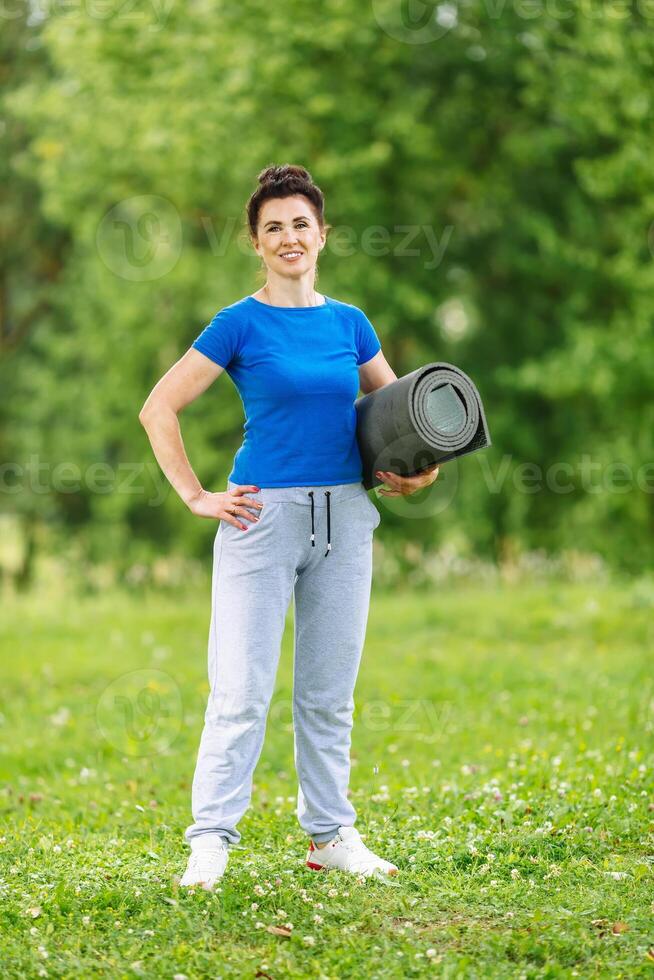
(205,866)
(347,852)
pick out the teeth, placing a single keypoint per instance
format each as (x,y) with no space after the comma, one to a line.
(290,255)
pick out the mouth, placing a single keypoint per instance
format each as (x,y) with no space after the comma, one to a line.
(291,256)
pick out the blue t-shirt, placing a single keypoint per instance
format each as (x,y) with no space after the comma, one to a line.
(295,369)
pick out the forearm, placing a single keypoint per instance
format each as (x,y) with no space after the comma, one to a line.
(162,427)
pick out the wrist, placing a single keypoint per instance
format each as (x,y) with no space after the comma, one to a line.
(190,499)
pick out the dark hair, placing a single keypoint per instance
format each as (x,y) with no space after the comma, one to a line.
(284,181)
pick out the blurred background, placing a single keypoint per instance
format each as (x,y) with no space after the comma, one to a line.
(487,167)
(488,179)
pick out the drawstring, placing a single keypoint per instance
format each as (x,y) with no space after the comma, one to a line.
(329,546)
(313,536)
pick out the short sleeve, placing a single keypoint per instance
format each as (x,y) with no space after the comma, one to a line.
(220,339)
(367,340)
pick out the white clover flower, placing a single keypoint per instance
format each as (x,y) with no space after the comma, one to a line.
(308,940)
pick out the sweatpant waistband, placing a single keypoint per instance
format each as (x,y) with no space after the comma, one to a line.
(302,495)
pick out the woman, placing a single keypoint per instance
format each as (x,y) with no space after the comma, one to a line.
(295,522)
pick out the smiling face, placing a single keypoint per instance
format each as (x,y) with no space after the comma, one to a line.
(289,237)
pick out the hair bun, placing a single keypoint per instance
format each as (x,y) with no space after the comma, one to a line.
(279,174)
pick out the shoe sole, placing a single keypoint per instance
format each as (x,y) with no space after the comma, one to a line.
(322,867)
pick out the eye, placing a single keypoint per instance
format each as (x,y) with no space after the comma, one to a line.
(299,224)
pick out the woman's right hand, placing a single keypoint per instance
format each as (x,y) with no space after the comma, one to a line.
(226,506)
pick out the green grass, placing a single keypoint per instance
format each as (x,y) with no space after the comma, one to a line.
(502,757)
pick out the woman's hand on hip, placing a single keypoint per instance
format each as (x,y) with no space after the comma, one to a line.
(226,506)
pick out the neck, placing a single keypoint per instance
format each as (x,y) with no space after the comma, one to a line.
(285,292)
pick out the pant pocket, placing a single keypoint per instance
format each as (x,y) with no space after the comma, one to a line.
(372,512)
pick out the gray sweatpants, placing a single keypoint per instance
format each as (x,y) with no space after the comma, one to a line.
(255,575)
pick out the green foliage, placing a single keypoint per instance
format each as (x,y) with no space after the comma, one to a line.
(510,783)
(491,195)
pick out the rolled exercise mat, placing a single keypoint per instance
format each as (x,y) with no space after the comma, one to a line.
(426,417)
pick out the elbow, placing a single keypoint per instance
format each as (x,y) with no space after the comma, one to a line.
(145,415)
(152,411)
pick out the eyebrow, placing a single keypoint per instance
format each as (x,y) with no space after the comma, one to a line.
(300,217)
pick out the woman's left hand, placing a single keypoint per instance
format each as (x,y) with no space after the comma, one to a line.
(402,486)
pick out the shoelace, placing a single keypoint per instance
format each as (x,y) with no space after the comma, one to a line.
(361,852)
(313,536)
(207,860)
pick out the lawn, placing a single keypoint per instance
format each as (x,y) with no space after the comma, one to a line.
(502,757)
